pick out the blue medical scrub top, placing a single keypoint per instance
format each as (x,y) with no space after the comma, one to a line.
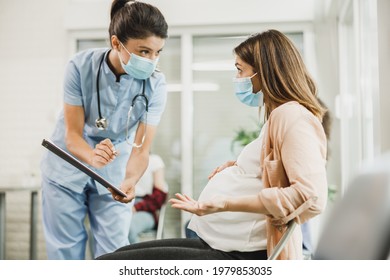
(115,100)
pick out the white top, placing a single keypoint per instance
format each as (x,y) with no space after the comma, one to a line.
(145,183)
(234,231)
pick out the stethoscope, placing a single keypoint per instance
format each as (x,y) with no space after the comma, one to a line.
(101,122)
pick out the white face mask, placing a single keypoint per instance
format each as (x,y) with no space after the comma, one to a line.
(139,67)
(244,91)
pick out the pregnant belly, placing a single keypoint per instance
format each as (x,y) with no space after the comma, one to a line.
(231,181)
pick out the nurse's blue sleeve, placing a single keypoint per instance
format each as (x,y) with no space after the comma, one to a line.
(72,88)
(157,101)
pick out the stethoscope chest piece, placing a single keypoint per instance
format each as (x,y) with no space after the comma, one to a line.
(101,123)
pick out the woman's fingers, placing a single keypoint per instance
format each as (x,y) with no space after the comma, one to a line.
(193,201)
(109,147)
(183,202)
(220,168)
(178,204)
(213,173)
(106,149)
(104,153)
(186,203)
(183,197)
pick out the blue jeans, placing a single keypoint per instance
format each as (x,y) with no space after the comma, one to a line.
(142,221)
(189,232)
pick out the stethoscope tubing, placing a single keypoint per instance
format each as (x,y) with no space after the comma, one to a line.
(101,122)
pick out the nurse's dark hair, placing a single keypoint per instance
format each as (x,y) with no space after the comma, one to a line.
(136,20)
(282,73)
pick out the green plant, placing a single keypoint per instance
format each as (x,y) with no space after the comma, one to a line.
(332,192)
(244,137)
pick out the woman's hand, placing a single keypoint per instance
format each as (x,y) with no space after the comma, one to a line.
(186,203)
(103,154)
(222,167)
(128,188)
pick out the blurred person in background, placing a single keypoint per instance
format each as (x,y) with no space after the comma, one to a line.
(150,194)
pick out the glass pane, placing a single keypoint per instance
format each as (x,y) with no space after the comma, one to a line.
(369,81)
(217,113)
(83,44)
(297,39)
(350,100)
(167,139)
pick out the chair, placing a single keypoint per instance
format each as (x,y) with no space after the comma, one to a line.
(161,218)
(283,241)
(359,226)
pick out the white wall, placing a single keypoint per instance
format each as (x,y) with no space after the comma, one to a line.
(32,62)
(32,57)
(199,12)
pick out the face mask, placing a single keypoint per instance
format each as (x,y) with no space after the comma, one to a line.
(139,67)
(244,91)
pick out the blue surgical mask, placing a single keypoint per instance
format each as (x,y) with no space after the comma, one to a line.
(139,67)
(244,91)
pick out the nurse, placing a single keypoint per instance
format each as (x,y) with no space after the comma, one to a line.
(113,101)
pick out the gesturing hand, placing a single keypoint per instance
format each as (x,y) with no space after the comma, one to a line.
(186,203)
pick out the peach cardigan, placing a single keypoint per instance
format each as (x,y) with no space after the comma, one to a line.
(293,172)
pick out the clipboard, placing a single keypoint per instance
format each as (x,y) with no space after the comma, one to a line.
(79,165)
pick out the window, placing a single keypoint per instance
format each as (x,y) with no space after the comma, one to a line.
(358,100)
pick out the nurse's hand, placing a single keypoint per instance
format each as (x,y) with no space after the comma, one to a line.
(103,154)
(186,203)
(222,167)
(128,188)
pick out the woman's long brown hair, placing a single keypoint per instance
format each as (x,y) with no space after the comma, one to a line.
(281,71)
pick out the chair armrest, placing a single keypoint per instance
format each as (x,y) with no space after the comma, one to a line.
(161,217)
(283,241)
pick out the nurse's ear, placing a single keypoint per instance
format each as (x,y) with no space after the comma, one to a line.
(115,43)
